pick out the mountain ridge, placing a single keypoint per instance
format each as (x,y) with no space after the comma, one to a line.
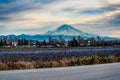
(66,31)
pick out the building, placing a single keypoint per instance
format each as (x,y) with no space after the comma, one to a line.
(14,43)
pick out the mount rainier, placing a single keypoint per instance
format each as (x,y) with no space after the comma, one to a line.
(65,31)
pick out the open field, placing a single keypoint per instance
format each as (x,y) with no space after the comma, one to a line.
(58,63)
(30,59)
(55,54)
(48,55)
(55,48)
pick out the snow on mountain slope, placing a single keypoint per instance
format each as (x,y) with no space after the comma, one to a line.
(64,30)
(68,30)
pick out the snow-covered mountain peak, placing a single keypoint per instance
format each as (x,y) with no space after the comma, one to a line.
(66,27)
(65,30)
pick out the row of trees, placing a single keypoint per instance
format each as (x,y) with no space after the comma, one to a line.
(92,42)
(75,42)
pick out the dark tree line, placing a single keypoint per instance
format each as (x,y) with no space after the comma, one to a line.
(92,42)
(75,42)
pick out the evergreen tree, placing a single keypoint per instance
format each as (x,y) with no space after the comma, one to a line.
(44,43)
(38,43)
(19,42)
(75,43)
(1,43)
(26,42)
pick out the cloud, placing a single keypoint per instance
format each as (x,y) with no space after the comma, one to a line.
(28,15)
(6,1)
(113,2)
(110,18)
(115,34)
(10,6)
(93,12)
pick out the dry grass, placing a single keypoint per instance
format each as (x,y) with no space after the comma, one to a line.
(59,63)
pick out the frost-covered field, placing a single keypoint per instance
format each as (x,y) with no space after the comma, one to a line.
(86,50)
(93,72)
(55,54)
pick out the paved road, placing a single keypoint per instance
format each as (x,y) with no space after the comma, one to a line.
(94,72)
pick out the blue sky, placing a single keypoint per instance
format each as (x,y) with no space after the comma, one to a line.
(100,17)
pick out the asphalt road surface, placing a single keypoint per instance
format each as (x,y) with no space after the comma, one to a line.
(92,72)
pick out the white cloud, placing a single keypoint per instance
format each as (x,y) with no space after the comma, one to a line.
(115,33)
(33,15)
(113,1)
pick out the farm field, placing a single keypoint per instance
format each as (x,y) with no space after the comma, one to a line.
(46,58)
(55,54)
